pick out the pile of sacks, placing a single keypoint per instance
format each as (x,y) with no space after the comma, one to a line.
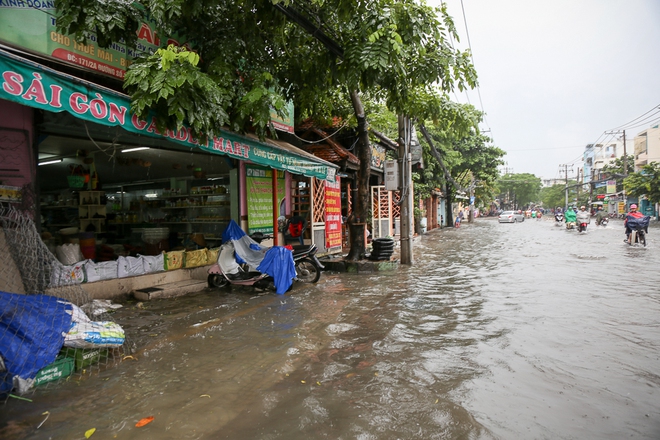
(87,271)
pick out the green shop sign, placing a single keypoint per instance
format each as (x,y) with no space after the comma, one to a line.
(39,87)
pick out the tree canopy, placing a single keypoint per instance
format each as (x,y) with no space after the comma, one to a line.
(645,182)
(519,189)
(256,54)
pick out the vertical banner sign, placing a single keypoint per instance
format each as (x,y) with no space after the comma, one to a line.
(259,187)
(611,186)
(332,214)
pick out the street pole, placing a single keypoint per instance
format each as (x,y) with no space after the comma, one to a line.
(625,156)
(625,168)
(405,173)
(566,188)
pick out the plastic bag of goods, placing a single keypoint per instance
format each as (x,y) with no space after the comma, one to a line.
(85,333)
(196,258)
(153,263)
(66,275)
(105,270)
(130,266)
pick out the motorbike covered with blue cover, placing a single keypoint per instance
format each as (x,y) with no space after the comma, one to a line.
(276,261)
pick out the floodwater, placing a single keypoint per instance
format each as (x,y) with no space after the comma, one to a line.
(498,331)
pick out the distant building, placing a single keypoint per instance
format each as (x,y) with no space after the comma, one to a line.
(596,156)
(647,147)
(552,182)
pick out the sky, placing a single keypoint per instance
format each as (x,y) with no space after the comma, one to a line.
(555,75)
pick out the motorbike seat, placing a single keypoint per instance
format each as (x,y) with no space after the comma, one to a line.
(302,249)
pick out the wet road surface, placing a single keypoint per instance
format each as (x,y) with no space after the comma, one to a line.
(498,331)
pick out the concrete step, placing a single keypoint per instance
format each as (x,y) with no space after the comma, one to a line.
(170,290)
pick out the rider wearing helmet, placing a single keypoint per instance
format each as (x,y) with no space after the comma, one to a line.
(634,213)
(583,215)
(600,215)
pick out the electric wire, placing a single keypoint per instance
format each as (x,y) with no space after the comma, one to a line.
(657,107)
(467,33)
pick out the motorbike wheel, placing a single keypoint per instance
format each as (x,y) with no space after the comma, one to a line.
(307,271)
(217,280)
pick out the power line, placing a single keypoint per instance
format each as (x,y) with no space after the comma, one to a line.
(622,127)
(467,33)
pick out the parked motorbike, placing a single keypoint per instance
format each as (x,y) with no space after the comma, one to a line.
(228,271)
(639,227)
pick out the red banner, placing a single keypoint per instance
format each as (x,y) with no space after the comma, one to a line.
(332,214)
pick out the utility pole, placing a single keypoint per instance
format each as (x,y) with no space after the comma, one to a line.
(625,156)
(578,185)
(405,173)
(591,185)
(566,188)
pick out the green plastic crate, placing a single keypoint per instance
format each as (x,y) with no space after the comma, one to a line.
(61,368)
(84,357)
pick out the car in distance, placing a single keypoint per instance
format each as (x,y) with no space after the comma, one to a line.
(510,217)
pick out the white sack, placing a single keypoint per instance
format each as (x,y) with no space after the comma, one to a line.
(130,266)
(62,275)
(104,270)
(153,263)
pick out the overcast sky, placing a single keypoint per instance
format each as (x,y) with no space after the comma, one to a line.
(554,75)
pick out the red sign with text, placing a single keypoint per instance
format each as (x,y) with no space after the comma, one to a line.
(332,214)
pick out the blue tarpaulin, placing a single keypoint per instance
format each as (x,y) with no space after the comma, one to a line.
(276,261)
(32,330)
(638,222)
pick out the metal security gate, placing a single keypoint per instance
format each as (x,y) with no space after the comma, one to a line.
(384,211)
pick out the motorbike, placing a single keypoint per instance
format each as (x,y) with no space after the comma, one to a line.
(570,225)
(639,227)
(603,221)
(559,218)
(582,227)
(243,261)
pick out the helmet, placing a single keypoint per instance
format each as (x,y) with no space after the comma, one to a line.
(633,206)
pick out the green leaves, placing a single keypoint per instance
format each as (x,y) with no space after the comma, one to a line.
(645,182)
(169,85)
(111,21)
(248,56)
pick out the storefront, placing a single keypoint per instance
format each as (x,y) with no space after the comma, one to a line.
(97,169)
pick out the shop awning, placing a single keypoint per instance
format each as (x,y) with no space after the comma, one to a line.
(29,83)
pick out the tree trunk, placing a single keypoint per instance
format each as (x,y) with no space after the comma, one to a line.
(449,214)
(361,203)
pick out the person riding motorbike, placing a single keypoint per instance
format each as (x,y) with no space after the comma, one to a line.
(583,215)
(600,215)
(570,217)
(634,213)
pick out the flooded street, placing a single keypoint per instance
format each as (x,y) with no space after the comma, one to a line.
(499,331)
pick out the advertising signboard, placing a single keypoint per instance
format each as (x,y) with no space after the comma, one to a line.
(259,185)
(332,214)
(31,25)
(42,88)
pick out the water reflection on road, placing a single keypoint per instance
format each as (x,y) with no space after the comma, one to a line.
(512,331)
